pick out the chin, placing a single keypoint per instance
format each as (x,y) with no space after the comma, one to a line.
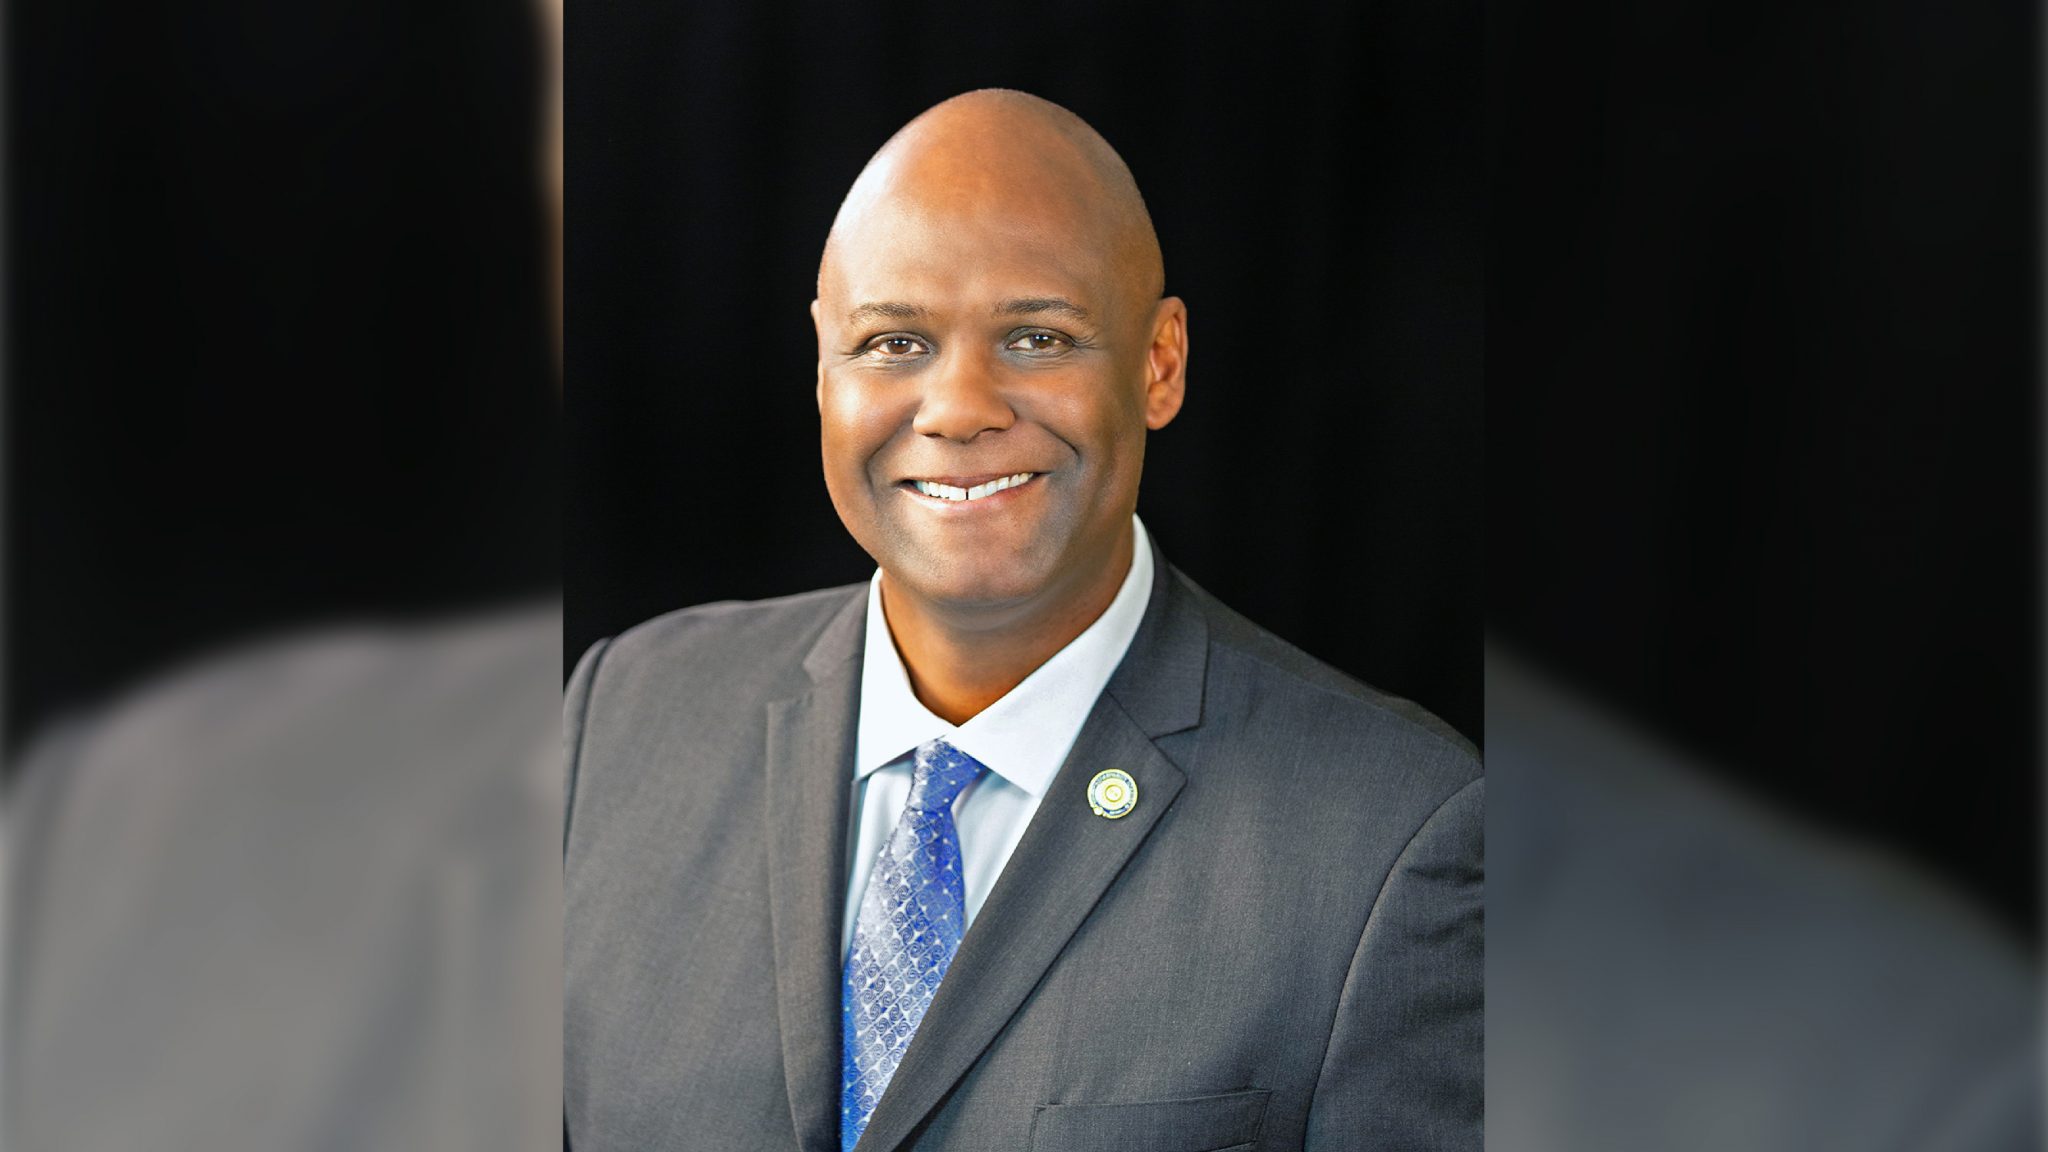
(972,581)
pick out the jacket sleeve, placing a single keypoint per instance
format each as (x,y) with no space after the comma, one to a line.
(1406,1058)
(575,708)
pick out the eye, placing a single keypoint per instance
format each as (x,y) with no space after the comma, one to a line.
(1039,340)
(895,347)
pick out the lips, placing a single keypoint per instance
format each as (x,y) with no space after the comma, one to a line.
(964,489)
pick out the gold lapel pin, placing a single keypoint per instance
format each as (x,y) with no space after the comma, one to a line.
(1112,794)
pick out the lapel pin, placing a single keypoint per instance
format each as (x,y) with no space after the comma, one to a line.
(1112,793)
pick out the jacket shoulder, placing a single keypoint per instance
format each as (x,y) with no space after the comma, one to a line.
(683,673)
(1277,685)
(728,638)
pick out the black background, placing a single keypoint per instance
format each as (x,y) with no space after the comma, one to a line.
(1314,176)
(1762,401)
(278,351)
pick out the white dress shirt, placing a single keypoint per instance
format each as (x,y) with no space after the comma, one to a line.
(1022,739)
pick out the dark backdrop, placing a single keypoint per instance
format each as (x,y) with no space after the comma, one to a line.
(277,342)
(1763,416)
(1314,178)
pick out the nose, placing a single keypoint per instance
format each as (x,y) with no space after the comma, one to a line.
(961,400)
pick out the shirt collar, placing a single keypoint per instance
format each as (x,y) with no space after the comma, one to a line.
(1024,736)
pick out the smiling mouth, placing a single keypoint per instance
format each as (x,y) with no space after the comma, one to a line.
(958,494)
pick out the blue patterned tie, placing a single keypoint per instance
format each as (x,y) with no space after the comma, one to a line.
(911,918)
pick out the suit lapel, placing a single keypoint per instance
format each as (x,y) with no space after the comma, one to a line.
(810,778)
(1066,860)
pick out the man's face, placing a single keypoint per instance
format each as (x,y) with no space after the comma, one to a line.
(983,386)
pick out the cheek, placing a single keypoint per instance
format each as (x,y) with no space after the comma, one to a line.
(854,424)
(1116,438)
(1102,420)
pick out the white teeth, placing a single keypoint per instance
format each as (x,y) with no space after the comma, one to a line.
(949,492)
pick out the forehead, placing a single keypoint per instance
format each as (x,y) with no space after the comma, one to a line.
(950,229)
(943,261)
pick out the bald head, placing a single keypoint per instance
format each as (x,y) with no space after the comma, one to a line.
(989,309)
(996,156)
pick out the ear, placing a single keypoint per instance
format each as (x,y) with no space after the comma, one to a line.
(1166,363)
(821,355)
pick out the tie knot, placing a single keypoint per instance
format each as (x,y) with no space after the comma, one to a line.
(939,773)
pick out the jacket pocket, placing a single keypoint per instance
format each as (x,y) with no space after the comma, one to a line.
(1221,1123)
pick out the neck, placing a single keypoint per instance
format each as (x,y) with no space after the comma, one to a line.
(961,661)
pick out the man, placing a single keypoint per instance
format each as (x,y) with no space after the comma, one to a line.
(1027,842)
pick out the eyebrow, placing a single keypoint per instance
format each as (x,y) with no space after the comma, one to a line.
(1015,306)
(1043,305)
(885,310)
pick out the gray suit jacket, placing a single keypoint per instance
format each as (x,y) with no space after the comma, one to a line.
(1279,948)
